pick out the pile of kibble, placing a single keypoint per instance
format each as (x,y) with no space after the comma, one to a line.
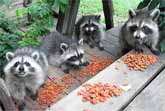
(139,61)
(49,93)
(99,92)
(52,90)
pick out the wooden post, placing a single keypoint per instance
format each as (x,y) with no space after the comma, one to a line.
(25,4)
(60,21)
(108,13)
(5,98)
(67,22)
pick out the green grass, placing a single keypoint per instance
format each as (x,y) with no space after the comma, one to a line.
(121,8)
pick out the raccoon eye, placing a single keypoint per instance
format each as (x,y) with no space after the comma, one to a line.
(74,58)
(133,28)
(16,64)
(81,55)
(27,63)
(146,30)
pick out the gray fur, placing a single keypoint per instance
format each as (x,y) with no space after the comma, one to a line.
(140,30)
(89,28)
(59,49)
(25,82)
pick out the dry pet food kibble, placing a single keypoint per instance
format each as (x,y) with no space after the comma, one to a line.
(139,61)
(49,93)
(99,92)
(52,90)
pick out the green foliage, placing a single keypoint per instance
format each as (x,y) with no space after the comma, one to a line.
(5,2)
(8,42)
(41,22)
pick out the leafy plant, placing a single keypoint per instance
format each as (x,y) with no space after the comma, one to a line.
(42,20)
(8,42)
(5,2)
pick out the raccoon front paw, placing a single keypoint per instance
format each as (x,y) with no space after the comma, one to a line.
(66,70)
(91,46)
(139,50)
(85,63)
(156,52)
(21,107)
(101,48)
(34,96)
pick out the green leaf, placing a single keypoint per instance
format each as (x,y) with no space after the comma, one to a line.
(64,2)
(21,12)
(5,2)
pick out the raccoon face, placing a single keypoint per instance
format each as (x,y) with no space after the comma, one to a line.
(91,24)
(142,24)
(73,54)
(22,66)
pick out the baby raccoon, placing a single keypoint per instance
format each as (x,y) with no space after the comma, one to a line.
(25,72)
(141,30)
(90,29)
(63,52)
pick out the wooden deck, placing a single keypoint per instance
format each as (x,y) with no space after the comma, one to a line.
(147,86)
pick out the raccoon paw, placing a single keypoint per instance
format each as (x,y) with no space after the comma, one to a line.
(21,107)
(34,96)
(139,50)
(66,70)
(91,46)
(101,48)
(85,63)
(156,52)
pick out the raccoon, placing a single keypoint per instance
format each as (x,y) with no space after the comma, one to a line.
(25,73)
(140,30)
(63,52)
(89,28)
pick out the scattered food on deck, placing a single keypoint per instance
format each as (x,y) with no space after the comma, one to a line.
(139,61)
(126,86)
(99,92)
(117,66)
(55,87)
(87,110)
(49,93)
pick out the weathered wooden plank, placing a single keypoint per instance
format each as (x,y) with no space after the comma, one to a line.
(115,31)
(152,98)
(137,79)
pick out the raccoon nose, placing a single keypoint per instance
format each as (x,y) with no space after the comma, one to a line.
(21,69)
(137,37)
(85,63)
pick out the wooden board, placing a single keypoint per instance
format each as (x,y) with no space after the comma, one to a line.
(115,31)
(152,98)
(137,79)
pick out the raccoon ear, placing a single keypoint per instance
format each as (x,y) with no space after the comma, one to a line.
(63,46)
(35,55)
(98,17)
(155,14)
(132,13)
(81,41)
(9,56)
